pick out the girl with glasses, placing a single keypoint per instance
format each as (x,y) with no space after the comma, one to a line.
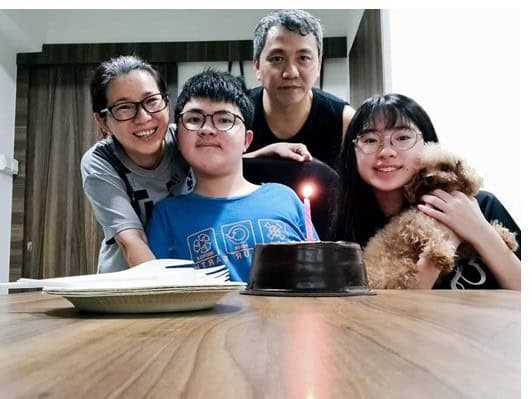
(378,157)
(136,164)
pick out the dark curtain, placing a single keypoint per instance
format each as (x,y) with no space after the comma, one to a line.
(62,237)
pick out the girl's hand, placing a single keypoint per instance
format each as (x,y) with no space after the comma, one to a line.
(459,212)
(463,216)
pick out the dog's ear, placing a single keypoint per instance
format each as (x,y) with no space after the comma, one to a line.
(469,179)
(411,189)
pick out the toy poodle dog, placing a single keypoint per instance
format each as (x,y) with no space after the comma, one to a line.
(391,255)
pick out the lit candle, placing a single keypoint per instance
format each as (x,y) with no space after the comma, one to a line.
(307,191)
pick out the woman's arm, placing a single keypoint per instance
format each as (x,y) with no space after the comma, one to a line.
(134,246)
(462,214)
(295,151)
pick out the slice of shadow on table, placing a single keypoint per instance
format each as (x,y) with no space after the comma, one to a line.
(73,313)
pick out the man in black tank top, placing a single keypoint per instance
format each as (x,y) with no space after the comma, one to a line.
(293,119)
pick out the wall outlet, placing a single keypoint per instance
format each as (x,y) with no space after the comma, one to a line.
(8,166)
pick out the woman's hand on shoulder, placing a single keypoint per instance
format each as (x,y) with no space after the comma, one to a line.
(295,151)
(457,211)
(347,116)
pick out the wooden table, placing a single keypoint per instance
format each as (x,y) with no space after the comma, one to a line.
(397,344)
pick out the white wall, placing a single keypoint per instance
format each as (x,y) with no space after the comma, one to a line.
(8,80)
(100,26)
(462,66)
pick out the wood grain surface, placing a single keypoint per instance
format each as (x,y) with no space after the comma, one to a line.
(396,344)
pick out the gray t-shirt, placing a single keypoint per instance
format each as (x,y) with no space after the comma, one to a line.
(108,194)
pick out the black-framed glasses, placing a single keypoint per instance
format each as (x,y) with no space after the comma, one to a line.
(128,110)
(221,120)
(401,140)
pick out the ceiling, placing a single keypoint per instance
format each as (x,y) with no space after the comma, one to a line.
(27,30)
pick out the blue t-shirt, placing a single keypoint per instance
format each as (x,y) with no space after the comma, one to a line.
(223,231)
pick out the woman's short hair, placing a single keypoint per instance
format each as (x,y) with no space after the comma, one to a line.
(113,68)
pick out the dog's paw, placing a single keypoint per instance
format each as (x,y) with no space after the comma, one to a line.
(507,236)
(441,255)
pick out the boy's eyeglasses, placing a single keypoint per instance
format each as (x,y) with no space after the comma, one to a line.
(128,110)
(221,120)
(401,140)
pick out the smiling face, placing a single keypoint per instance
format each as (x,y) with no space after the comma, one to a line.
(209,151)
(388,169)
(288,66)
(141,137)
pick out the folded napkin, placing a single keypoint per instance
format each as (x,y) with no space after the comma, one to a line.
(159,272)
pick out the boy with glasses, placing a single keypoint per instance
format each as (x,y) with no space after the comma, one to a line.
(222,220)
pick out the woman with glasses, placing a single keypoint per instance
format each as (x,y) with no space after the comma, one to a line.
(136,164)
(378,157)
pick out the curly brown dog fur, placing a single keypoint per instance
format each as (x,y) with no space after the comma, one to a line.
(391,255)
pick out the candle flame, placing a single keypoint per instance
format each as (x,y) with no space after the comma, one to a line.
(307,191)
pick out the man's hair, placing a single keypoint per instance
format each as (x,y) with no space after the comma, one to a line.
(216,86)
(294,20)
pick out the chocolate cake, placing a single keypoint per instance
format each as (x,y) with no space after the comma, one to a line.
(319,268)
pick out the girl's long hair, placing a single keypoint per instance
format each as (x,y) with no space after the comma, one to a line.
(357,216)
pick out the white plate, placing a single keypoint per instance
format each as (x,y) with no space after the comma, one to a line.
(146,300)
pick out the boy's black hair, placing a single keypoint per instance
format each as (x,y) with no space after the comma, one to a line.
(216,86)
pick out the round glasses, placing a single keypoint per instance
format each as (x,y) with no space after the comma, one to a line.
(401,140)
(221,120)
(128,110)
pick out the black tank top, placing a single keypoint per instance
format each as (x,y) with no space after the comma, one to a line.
(321,132)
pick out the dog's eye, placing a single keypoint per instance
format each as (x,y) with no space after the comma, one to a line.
(445,167)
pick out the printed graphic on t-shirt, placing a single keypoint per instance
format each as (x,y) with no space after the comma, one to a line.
(201,246)
(272,231)
(176,187)
(141,201)
(467,273)
(238,241)
(175,180)
(238,237)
